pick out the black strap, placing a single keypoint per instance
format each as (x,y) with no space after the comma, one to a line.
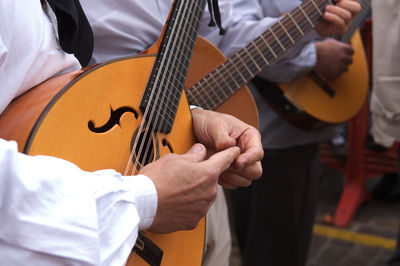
(273,94)
(213,9)
(75,33)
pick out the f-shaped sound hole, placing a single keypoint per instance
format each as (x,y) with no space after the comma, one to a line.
(114,119)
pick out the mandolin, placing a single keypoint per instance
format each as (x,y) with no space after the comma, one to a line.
(221,86)
(323,102)
(120,115)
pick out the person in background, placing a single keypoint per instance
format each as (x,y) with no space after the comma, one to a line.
(385,99)
(274,216)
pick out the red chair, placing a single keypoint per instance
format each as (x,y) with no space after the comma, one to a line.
(360,163)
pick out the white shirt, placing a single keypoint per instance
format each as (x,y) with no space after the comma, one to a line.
(126,27)
(52,212)
(29,52)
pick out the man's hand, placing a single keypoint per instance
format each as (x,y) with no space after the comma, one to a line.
(338,17)
(186,186)
(218,132)
(333,57)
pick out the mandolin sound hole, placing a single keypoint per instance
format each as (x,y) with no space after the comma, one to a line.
(145,149)
(114,119)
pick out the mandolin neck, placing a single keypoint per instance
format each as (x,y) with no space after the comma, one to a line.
(161,98)
(226,79)
(357,21)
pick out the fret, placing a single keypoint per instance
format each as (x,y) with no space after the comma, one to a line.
(217,71)
(293,29)
(174,74)
(287,33)
(316,7)
(240,74)
(252,59)
(173,96)
(245,66)
(195,16)
(204,103)
(260,53)
(199,98)
(292,32)
(305,15)
(212,87)
(269,47)
(206,100)
(230,74)
(261,46)
(218,91)
(159,117)
(295,23)
(195,91)
(259,58)
(183,41)
(199,7)
(277,39)
(320,6)
(252,67)
(209,79)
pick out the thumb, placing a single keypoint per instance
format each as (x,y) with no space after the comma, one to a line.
(196,153)
(221,161)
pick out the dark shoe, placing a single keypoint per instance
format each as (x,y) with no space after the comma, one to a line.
(388,188)
(394,194)
(373,146)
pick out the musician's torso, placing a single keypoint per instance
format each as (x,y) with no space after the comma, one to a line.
(28,31)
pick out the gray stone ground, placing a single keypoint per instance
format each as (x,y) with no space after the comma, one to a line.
(374,218)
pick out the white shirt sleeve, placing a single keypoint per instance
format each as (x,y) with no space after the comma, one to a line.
(29,51)
(52,212)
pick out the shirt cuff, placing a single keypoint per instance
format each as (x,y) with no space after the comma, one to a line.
(146,197)
(194,106)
